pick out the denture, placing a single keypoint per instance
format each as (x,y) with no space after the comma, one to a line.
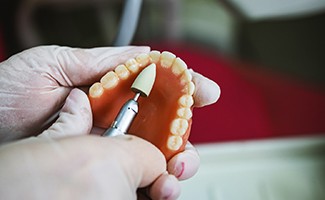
(165,116)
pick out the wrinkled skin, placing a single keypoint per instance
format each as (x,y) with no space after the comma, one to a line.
(40,96)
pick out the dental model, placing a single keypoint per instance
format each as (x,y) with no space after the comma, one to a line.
(165,116)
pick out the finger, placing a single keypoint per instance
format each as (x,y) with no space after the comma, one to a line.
(206,91)
(141,160)
(79,67)
(75,117)
(185,164)
(165,187)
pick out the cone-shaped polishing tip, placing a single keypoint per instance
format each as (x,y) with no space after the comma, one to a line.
(145,80)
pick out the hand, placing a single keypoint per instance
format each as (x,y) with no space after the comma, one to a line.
(39,84)
(80,167)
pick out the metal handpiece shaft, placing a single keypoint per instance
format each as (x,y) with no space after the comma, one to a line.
(124,119)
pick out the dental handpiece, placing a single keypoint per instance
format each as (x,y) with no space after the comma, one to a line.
(124,118)
(142,87)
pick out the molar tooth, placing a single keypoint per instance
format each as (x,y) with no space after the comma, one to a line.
(179,126)
(189,88)
(132,65)
(179,66)
(110,80)
(186,101)
(167,59)
(184,113)
(186,77)
(96,90)
(154,56)
(143,59)
(174,142)
(122,72)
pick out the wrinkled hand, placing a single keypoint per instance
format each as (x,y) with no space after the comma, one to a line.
(39,96)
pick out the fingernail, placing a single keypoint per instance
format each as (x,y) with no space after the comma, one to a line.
(179,169)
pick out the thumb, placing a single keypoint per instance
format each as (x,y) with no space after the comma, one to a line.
(82,67)
(75,117)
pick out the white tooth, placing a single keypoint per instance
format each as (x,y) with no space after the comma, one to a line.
(186,77)
(186,101)
(132,65)
(179,66)
(184,113)
(143,59)
(174,142)
(189,88)
(167,59)
(179,126)
(122,72)
(96,90)
(110,80)
(154,56)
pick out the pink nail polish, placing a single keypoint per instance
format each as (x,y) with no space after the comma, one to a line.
(179,169)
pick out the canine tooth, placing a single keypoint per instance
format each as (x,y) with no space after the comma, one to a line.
(110,80)
(174,142)
(189,88)
(167,59)
(186,77)
(154,56)
(122,72)
(186,101)
(179,66)
(184,113)
(96,90)
(179,126)
(132,65)
(143,59)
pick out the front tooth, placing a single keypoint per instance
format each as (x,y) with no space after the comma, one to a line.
(184,113)
(110,80)
(132,65)
(122,72)
(167,59)
(154,56)
(186,101)
(179,126)
(143,59)
(174,142)
(189,88)
(96,90)
(186,77)
(179,66)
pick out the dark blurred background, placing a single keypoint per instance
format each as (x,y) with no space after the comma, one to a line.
(267,56)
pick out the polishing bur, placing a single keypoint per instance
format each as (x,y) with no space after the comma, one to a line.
(145,80)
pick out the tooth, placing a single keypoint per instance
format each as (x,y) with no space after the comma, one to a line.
(186,101)
(132,65)
(189,88)
(154,56)
(179,66)
(110,80)
(184,113)
(96,90)
(179,126)
(186,77)
(122,72)
(167,59)
(143,59)
(174,142)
